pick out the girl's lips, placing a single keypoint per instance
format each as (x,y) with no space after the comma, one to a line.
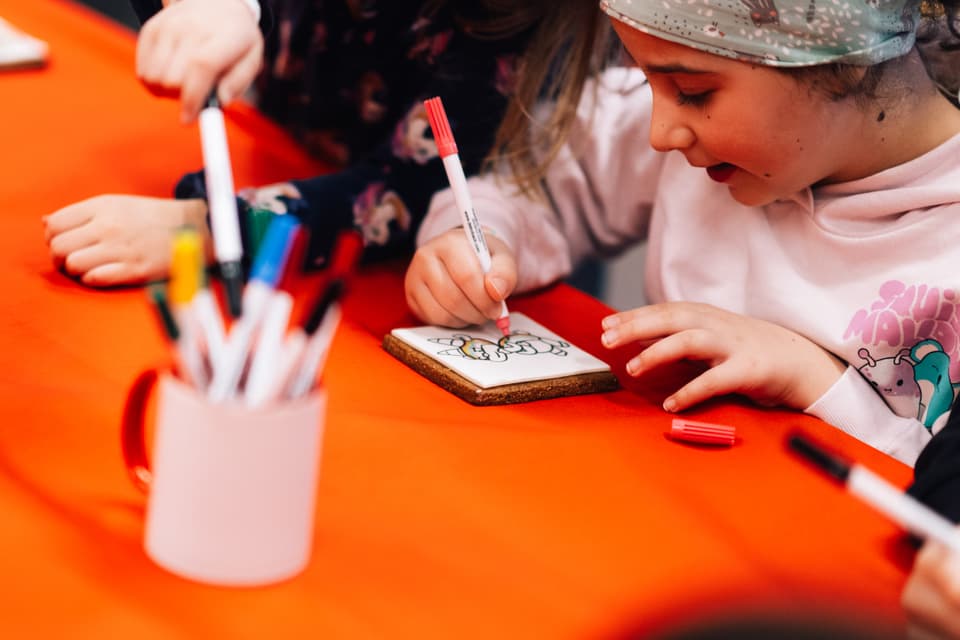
(721,172)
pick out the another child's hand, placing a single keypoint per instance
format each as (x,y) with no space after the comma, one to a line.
(192,45)
(115,239)
(931,597)
(445,286)
(758,359)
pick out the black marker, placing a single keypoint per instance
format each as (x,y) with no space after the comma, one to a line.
(224,220)
(909,513)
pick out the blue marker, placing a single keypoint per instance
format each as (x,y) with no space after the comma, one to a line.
(264,276)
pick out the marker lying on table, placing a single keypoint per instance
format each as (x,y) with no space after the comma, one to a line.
(909,513)
(224,220)
(458,183)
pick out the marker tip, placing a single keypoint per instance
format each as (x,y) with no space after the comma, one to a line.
(504,325)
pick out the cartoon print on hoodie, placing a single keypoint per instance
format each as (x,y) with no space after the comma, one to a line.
(932,370)
(921,323)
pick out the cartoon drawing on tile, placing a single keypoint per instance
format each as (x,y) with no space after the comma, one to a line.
(517,343)
(487,358)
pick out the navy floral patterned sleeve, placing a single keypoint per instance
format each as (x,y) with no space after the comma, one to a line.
(348,79)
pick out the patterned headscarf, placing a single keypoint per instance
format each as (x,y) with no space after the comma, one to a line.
(779,33)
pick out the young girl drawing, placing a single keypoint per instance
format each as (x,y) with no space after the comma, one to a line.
(799,195)
(347,78)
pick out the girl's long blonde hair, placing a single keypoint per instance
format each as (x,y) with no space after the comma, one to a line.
(569,41)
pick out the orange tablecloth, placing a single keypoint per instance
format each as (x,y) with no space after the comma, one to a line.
(561,519)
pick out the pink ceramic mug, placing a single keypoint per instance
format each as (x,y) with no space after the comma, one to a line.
(231,490)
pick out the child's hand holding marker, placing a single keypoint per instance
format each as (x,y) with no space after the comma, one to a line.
(467,299)
(443,287)
(191,45)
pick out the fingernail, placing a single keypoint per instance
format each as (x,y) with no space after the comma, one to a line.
(499,285)
(609,337)
(633,367)
(670,404)
(610,321)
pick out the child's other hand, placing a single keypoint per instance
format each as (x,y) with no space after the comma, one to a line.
(192,45)
(445,286)
(931,597)
(761,360)
(115,239)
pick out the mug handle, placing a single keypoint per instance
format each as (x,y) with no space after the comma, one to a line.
(132,436)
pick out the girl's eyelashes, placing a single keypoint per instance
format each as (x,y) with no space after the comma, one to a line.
(693,99)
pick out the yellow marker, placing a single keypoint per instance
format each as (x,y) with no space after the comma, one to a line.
(186,266)
(193,302)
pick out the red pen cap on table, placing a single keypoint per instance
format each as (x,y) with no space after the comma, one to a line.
(703,432)
(440,127)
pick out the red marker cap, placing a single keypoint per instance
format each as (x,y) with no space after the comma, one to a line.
(440,127)
(346,253)
(298,255)
(702,432)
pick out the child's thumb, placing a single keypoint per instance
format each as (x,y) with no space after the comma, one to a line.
(500,283)
(501,280)
(497,287)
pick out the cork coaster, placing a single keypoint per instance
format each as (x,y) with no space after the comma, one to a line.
(593,382)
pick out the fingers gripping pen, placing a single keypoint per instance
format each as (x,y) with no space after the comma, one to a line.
(458,184)
(224,220)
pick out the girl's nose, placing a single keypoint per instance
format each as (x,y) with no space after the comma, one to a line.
(668,131)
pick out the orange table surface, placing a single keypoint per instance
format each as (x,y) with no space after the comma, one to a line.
(567,518)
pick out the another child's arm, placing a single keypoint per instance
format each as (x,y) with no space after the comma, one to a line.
(114,239)
(192,45)
(931,597)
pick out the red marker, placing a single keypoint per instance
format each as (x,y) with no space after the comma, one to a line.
(458,182)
